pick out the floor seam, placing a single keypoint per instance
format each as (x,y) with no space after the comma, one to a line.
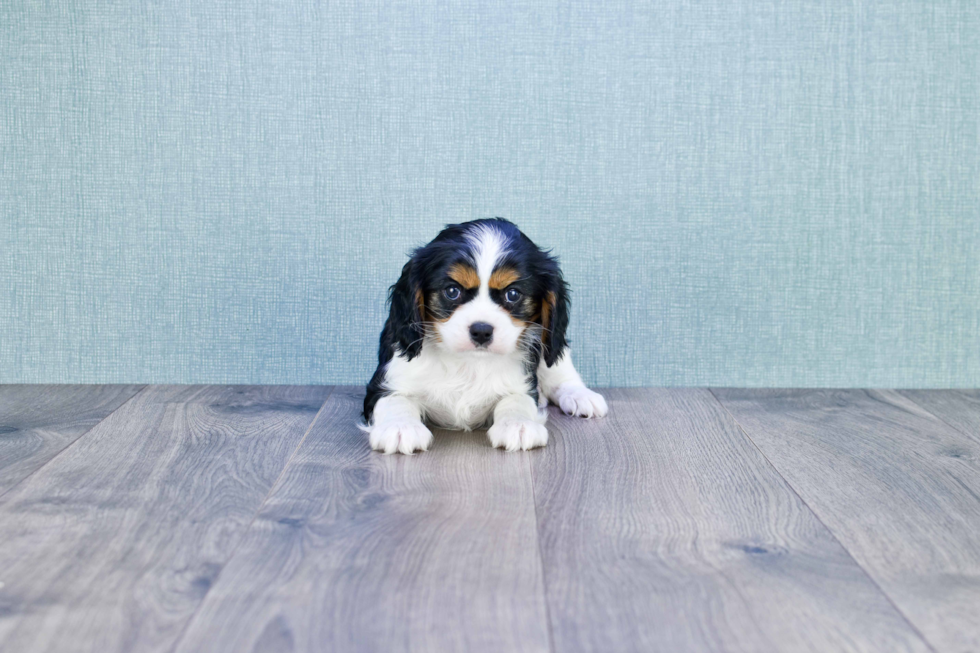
(78,439)
(938,417)
(544,575)
(245,531)
(816,516)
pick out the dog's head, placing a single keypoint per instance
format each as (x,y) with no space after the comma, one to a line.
(481,288)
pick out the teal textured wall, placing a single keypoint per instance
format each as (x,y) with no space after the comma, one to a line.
(742,192)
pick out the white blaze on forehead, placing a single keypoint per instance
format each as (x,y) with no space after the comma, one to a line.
(489,246)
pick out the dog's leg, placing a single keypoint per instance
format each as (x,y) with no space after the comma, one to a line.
(562,384)
(397,426)
(517,424)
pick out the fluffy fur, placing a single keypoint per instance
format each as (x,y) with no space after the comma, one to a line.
(475,337)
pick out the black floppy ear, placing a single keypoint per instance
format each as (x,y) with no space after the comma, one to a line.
(554,316)
(407,308)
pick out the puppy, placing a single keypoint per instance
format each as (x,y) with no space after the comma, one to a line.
(475,337)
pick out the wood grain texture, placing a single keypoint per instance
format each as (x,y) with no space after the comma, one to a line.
(38,421)
(898,487)
(112,545)
(958,408)
(357,551)
(663,529)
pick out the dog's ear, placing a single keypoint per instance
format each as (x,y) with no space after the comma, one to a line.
(407,308)
(554,316)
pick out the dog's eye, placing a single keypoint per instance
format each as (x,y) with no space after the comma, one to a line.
(512,295)
(452,293)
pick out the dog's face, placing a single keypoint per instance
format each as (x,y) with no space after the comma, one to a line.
(481,288)
(486,298)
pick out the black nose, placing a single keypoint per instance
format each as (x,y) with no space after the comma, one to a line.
(481,333)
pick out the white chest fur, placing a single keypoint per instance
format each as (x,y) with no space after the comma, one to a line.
(457,391)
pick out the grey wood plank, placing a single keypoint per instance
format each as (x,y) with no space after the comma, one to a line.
(38,421)
(113,544)
(898,487)
(958,408)
(357,551)
(663,529)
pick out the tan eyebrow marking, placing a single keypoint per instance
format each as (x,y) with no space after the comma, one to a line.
(503,277)
(465,276)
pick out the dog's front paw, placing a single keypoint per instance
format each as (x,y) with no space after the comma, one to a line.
(582,402)
(518,434)
(405,437)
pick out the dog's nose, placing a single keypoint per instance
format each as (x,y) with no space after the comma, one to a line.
(481,333)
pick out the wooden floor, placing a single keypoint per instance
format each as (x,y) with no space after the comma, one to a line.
(206,518)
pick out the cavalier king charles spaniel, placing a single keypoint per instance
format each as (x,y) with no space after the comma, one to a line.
(475,337)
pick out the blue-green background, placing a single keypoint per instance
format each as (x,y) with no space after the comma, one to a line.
(742,192)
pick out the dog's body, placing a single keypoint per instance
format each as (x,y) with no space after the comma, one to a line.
(475,337)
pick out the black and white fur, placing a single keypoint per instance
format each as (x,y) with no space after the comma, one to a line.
(436,364)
